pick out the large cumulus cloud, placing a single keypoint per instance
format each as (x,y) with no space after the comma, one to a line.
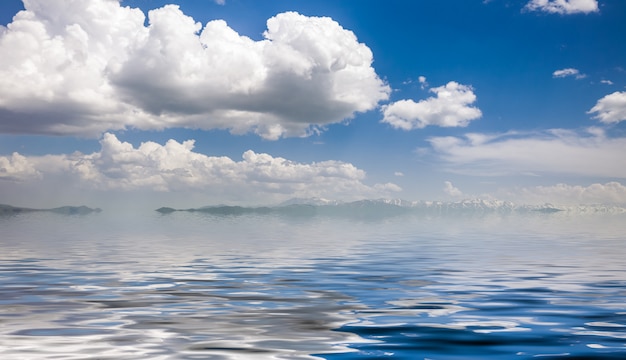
(87,66)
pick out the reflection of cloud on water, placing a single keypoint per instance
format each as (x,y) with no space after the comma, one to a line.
(165,315)
(269,286)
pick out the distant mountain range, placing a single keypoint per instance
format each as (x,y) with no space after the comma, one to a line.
(67,210)
(388,207)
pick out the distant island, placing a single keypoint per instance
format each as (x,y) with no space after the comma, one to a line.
(392,207)
(242,210)
(66,210)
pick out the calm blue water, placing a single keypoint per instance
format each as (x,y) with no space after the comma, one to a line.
(193,286)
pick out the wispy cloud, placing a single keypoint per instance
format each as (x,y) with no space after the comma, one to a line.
(565,152)
(611,108)
(563,6)
(91,66)
(568,72)
(451,107)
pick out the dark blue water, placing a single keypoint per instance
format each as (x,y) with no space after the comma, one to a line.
(192,286)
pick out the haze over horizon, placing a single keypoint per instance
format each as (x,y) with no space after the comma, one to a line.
(189,103)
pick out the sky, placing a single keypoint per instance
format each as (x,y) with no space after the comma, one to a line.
(198,102)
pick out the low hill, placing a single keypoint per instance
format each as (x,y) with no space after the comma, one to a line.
(67,210)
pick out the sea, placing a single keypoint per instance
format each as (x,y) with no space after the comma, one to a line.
(191,285)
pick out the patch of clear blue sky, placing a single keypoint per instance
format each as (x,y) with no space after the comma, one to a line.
(507,55)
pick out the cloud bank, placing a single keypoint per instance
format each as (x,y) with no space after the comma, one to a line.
(563,6)
(84,67)
(609,193)
(589,154)
(175,167)
(451,107)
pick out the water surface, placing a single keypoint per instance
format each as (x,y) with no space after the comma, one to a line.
(197,286)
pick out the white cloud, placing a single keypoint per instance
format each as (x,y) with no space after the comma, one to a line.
(450,190)
(563,6)
(175,167)
(423,82)
(568,72)
(611,108)
(557,151)
(388,188)
(398,173)
(17,168)
(450,108)
(85,67)
(608,193)
(608,82)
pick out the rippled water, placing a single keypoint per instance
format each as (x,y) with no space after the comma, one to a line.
(193,286)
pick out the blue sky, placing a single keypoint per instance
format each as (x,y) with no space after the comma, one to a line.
(433,100)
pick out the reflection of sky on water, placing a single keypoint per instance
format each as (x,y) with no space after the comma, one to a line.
(185,285)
